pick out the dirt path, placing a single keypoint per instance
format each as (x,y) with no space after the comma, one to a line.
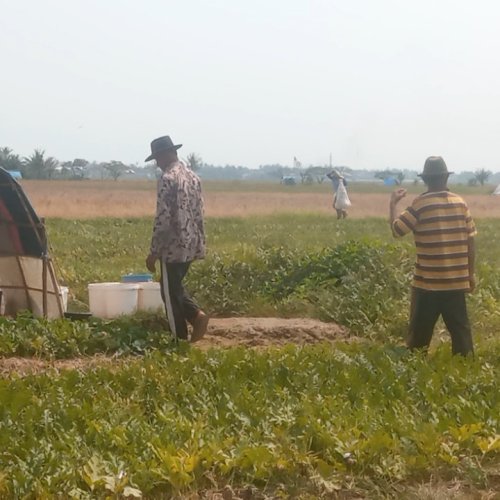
(222,333)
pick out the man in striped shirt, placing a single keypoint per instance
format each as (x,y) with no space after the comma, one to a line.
(444,237)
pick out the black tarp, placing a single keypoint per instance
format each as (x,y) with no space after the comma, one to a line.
(29,226)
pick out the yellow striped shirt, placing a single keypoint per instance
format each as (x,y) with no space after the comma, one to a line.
(442,225)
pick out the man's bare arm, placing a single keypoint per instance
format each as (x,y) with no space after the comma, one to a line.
(396,197)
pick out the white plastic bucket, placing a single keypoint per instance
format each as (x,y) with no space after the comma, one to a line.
(111,300)
(150,297)
(64,292)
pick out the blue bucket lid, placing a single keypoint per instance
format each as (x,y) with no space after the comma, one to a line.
(136,278)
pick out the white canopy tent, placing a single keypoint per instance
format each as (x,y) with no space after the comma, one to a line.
(497,191)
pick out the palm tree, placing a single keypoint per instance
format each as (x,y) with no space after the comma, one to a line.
(5,153)
(8,160)
(37,166)
(51,165)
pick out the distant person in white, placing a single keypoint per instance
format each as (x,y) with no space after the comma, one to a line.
(336,179)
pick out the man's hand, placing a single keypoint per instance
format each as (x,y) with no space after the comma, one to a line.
(151,263)
(398,195)
(472,283)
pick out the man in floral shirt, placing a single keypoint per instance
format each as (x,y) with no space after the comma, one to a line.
(178,237)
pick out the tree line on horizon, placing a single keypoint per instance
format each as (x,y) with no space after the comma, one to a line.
(40,166)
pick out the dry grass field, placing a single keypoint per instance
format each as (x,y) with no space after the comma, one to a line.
(91,199)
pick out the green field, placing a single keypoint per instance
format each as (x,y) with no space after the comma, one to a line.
(352,273)
(363,419)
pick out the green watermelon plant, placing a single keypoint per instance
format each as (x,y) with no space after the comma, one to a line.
(364,418)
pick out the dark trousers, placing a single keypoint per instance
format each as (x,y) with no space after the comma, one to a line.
(179,305)
(427,307)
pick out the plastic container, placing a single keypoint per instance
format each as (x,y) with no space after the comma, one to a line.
(150,297)
(111,300)
(136,278)
(64,292)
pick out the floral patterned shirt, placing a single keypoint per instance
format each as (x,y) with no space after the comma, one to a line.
(178,233)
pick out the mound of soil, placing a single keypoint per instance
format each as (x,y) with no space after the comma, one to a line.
(266,332)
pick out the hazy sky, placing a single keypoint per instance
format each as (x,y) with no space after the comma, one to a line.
(378,84)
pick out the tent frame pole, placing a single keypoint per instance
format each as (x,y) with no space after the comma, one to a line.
(44,286)
(42,238)
(25,283)
(45,258)
(55,286)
